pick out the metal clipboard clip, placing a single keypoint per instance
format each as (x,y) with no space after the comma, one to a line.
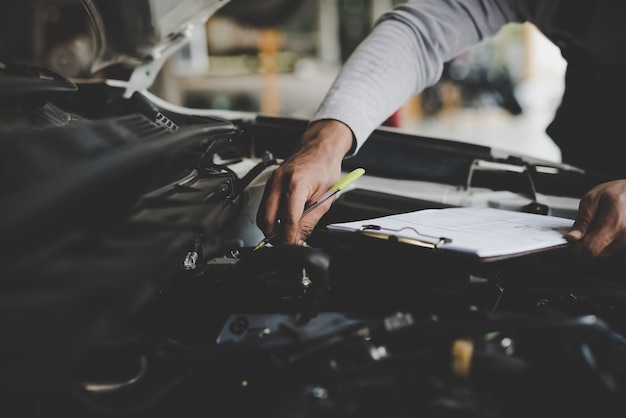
(428,241)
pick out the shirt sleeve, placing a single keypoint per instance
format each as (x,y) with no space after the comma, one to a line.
(404,54)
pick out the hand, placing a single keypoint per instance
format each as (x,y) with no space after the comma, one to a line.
(600,227)
(312,169)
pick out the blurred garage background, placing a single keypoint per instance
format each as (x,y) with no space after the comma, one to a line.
(281,58)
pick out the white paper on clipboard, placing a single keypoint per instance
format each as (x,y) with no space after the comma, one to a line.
(486,233)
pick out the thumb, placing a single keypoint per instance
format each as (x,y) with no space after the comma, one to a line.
(582,222)
(574,234)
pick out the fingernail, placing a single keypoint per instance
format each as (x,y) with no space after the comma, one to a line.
(302,243)
(574,235)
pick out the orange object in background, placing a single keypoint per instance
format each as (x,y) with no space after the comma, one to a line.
(394,120)
(269,45)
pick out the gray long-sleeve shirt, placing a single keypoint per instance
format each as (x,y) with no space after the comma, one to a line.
(406,50)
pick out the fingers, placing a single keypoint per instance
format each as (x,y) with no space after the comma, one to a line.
(308,222)
(586,213)
(286,194)
(297,191)
(596,242)
(312,169)
(267,215)
(600,227)
(606,235)
(281,205)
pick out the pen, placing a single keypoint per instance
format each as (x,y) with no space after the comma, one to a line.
(347,180)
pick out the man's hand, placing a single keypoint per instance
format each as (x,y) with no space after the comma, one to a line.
(313,168)
(600,227)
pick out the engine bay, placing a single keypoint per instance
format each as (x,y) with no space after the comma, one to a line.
(130,286)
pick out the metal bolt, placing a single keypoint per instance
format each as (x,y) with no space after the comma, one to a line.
(189,263)
(306,280)
(507,345)
(319,392)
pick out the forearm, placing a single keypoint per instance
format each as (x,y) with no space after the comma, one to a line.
(328,137)
(377,79)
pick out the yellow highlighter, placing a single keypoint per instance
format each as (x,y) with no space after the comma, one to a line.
(347,180)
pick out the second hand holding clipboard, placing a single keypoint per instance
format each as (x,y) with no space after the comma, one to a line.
(347,180)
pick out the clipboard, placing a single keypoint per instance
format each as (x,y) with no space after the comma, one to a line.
(484,234)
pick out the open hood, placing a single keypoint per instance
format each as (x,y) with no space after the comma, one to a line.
(140,31)
(80,38)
